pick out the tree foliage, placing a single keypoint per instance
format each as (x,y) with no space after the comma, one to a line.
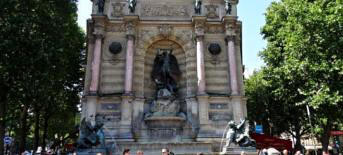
(273,104)
(304,57)
(40,70)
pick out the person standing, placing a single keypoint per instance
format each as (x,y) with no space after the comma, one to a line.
(165,151)
(139,152)
(126,152)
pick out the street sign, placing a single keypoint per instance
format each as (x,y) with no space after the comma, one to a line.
(7,140)
(259,129)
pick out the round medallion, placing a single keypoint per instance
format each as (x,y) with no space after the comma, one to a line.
(214,48)
(115,48)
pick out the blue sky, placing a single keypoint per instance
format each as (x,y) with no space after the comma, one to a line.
(250,12)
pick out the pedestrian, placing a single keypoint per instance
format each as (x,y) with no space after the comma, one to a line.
(126,152)
(298,153)
(139,152)
(264,152)
(165,151)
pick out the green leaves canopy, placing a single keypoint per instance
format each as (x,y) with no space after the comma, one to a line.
(40,65)
(304,58)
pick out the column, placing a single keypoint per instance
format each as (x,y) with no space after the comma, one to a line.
(231,51)
(96,63)
(199,26)
(201,66)
(129,64)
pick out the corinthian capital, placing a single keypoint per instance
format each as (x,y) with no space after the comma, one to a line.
(130,25)
(99,31)
(199,25)
(230,29)
(230,24)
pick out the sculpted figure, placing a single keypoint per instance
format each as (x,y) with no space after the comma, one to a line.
(228,7)
(238,134)
(90,135)
(197,7)
(101,5)
(132,5)
(166,71)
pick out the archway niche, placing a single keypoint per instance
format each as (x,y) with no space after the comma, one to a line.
(178,52)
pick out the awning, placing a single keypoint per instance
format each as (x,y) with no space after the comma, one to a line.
(264,141)
(336,133)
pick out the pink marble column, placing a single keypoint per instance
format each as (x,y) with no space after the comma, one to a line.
(201,66)
(233,65)
(129,64)
(96,64)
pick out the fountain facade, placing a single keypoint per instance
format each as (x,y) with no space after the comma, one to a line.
(164,74)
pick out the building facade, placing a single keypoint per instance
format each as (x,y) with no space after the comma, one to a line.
(123,40)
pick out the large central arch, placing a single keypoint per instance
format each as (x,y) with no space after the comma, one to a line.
(146,50)
(149,85)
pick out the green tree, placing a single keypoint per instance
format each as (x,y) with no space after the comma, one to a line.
(305,40)
(273,104)
(40,59)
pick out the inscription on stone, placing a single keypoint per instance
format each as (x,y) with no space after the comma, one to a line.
(219,106)
(110,106)
(165,10)
(105,117)
(217,116)
(162,133)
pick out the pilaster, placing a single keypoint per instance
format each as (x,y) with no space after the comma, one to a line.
(239,108)
(90,108)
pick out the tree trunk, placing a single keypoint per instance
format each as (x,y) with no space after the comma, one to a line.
(23,130)
(45,131)
(36,132)
(325,137)
(2,118)
(297,137)
(297,143)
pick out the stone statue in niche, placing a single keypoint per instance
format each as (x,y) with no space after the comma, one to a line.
(165,74)
(197,7)
(228,7)
(132,5)
(101,5)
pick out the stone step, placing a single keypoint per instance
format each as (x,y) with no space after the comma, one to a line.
(179,148)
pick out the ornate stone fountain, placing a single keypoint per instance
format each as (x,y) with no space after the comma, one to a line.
(164,114)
